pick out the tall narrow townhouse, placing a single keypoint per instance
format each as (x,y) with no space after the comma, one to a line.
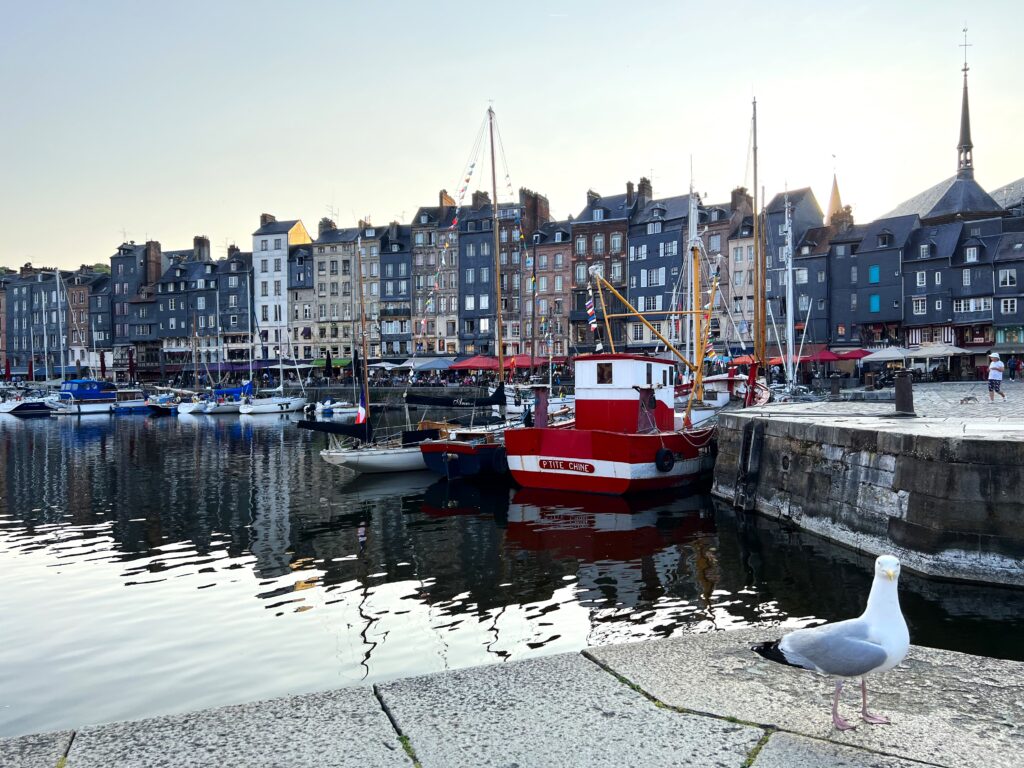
(396,294)
(336,313)
(301,299)
(271,244)
(435,282)
(547,290)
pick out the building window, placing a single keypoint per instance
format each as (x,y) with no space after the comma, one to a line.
(853,275)
(715,244)
(581,246)
(874,274)
(922,279)
(821,275)
(1007,278)
(841,329)
(598,214)
(1008,306)
(471,302)
(971,254)
(800,275)
(920,306)
(804,302)
(938,305)
(874,303)
(599,244)
(263,247)
(581,273)
(853,301)
(966,277)
(654,228)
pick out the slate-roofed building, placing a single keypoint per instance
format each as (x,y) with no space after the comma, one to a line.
(928,306)
(716,223)
(738,332)
(235,291)
(271,244)
(600,233)
(79,285)
(657,246)
(810,286)
(1009,298)
(435,278)
(396,293)
(301,298)
(1010,197)
(336,315)
(134,269)
(546,289)
(805,214)
(972,268)
(843,282)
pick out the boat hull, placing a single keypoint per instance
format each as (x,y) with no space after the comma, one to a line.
(279,405)
(83,408)
(462,459)
(374,461)
(131,406)
(25,408)
(598,461)
(195,406)
(216,409)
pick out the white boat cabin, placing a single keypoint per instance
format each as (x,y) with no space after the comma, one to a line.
(625,393)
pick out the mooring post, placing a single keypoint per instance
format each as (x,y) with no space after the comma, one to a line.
(904,393)
(834,382)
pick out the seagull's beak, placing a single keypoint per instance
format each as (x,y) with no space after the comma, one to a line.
(890,574)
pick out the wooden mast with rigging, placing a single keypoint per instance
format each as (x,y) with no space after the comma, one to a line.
(499,342)
(760,272)
(365,373)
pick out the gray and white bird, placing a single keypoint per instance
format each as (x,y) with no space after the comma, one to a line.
(876,641)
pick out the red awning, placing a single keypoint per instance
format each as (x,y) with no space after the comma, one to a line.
(824,356)
(743,360)
(478,363)
(853,354)
(778,360)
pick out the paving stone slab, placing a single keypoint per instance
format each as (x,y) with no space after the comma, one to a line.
(785,750)
(949,708)
(41,750)
(558,710)
(337,729)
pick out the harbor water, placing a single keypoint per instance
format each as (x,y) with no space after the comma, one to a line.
(159,565)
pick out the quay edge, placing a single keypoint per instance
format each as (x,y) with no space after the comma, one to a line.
(941,493)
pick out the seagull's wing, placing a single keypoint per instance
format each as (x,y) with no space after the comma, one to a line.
(841,649)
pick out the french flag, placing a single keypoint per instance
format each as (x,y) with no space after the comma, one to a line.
(361,413)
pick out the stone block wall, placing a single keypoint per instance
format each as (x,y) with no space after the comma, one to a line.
(950,507)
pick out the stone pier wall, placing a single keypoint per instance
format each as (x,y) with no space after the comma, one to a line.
(948,506)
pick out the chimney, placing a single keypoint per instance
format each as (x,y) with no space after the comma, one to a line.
(480,199)
(444,202)
(153,262)
(592,197)
(393,230)
(200,248)
(644,193)
(233,250)
(266,218)
(630,194)
(326,225)
(741,200)
(536,209)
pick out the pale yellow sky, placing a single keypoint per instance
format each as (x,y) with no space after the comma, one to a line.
(167,122)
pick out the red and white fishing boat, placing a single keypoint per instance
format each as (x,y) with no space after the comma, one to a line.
(627,436)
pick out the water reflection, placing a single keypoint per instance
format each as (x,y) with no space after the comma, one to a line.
(209,560)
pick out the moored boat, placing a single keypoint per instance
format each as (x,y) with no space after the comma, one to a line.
(78,397)
(21,404)
(624,438)
(272,405)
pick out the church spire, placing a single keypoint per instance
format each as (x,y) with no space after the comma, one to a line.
(835,203)
(965,161)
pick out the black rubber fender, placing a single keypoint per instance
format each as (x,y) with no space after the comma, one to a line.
(664,460)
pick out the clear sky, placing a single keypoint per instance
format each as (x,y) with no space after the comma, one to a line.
(167,120)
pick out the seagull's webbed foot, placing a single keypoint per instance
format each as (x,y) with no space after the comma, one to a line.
(837,719)
(866,716)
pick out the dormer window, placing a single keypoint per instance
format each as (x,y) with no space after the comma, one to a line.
(805,250)
(925,250)
(598,214)
(559,238)
(234,266)
(423,219)
(209,269)
(971,254)
(884,240)
(395,247)
(371,232)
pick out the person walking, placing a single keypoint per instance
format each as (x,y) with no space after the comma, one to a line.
(995,377)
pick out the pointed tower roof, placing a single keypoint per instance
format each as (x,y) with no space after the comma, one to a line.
(965,161)
(960,196)
(835,203)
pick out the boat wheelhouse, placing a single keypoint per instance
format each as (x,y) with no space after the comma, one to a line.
(625,437)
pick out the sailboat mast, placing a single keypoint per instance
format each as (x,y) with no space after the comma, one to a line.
(252,315)
(497,246)
(760,314)
(790,319)
(693,302)
(60,327)
(362,321)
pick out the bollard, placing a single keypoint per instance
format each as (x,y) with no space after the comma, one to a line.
(904,394)
(834,383)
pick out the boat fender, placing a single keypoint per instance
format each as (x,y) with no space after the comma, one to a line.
(452,465)
(499,462)
(664,460)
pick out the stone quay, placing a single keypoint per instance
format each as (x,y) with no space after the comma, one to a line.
(701,700)
(941,489)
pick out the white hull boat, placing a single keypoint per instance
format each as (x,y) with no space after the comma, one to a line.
(65,408)
(228,406)
(272,405)
(25,406)
(191,406)
(373,460)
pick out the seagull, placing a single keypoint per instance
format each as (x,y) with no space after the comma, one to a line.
(875,642)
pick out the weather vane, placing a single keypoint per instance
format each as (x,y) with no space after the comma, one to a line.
(965,45)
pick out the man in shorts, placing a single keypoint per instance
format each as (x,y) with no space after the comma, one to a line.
(995,377)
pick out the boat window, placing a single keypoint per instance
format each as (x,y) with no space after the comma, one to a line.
(604,373)
(650,374)
(664,377)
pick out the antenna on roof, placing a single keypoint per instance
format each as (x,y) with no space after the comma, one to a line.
(124,235)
